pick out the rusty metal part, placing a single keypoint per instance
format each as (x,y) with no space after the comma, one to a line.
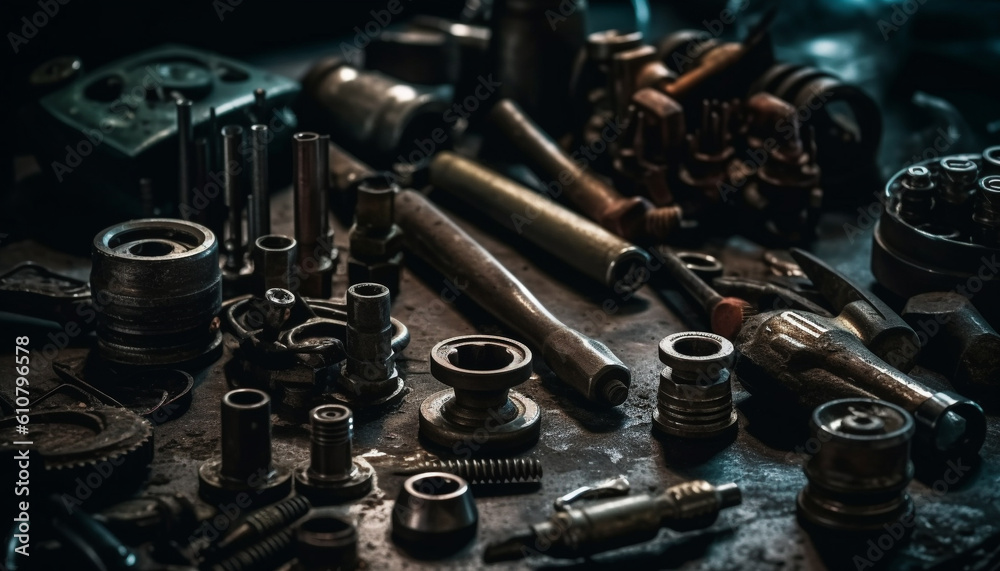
(317,256)
(766,295)
(653,143)
(480,408)
(274,264)
(333,475)
(610,488)
(957,342)
(326,542)
(613,524)
(34,290)
(726,314)
(582,363)
(861,313)
(634,70)
(270,552)
(377,114)
(154,517)
(483,471)
(581,243)
(74,444)
(794,360)
(158,286)
(375,240)
(695,398)
(709,151)
(258,525)
(633,218)
(242,469)
(858,477)
(434,514)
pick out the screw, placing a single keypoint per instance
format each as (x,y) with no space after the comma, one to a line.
(333,474)
(695,399)
(268,553)
(261,524)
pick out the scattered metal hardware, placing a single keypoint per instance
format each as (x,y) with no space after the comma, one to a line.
(764,294)
(326,542)
(633,218)
(610,488)
(726,314)
(376,241)
(581,243)
(612,524)
(434,513)
(858,477)
(333,475)
(377,114)
(957,342)
(481,369)
(317,256)
(866,316)
(940,228)
(704,266)
(585,364)
(270,552)
(246,417)
(483,471)
(259,525)
(797,360)
(72,442)
(32,289)
(158,286)
(369,377)
(154,517)
(695,398)
(275,264)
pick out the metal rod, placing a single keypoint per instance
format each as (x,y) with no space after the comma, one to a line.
(259,213)
(185,135)
(232,161)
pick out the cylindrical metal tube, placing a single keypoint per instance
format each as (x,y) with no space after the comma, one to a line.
(311,216)
(246,419)
(185,137)
(858,477)
(322,190)
(259,216)
(369,332)
(275,257)
(331,456)
(232,141)
(695,397)
(583,363)
(159,288)
(579,242)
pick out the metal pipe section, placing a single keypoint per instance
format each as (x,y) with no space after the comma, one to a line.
(311,216)
(585,364)
(232,140)
(259,209)
(185,137)
(274,260)
(577,241)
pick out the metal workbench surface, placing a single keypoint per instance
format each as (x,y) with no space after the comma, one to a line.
(579,444)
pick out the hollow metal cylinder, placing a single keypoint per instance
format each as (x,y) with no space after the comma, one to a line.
(315,260)
(333,475)
(157,288)
(861,467)
(369,376)
(275,258)
(259,214)
(695,398)
(326,542)
(232,163)
(246,419)
(592,250)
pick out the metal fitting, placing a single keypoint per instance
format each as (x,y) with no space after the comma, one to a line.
(376,242)
(485,470)
(987,210)
(369,376)
(434,513)
(158,288)
(481,369)
(333,475)
(991,161)
(259,206)
(269,553)
(232,162)
(958,178)
(695,399)
(317,256)
(275,257)
(917,198)
(326,542)
(243,468)
(259,525)
(858,477)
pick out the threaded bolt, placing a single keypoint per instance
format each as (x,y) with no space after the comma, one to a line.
(661,222)
(488,470)
(695,398)
(333,475)
(263,523)
(268,553)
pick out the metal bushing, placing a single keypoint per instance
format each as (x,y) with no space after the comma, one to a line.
(858,476)
(274,263)
(333,475)
(326,542)
(480,407)
(369,376)
(157,289)
(434,513)
(245,466)
(695,399)
(376,241)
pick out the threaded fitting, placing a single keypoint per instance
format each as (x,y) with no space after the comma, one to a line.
(332,474)
(695,398)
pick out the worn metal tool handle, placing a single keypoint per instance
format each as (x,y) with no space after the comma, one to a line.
(579,242)
(583,363)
